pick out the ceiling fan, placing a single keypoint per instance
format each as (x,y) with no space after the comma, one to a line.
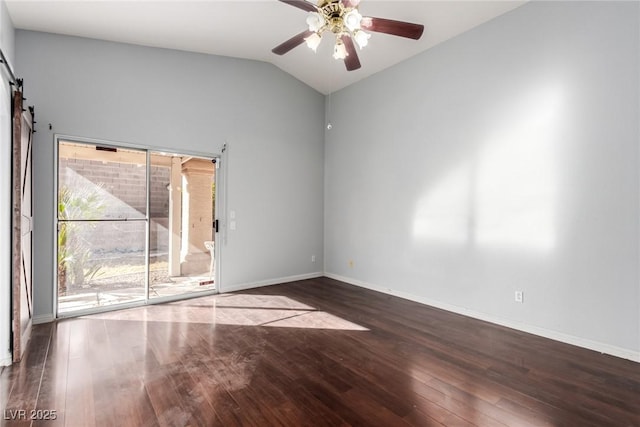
(341,17)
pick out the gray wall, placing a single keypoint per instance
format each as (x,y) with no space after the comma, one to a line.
(183,101)
(504,159)
(7,45)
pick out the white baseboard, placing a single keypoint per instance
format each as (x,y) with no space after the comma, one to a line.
(6,361)
(251,285)
(535,330)
(43,318)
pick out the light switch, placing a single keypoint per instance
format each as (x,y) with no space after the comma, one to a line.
(232,225)
(232,214)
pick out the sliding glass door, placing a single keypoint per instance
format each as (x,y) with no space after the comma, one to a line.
(132,225)
(182,244)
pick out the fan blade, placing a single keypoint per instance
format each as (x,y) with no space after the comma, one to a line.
(351,61)
(350,3)
(396,28)
(301,4)
(294,41)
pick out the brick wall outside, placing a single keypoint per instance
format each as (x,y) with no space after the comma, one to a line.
(122,190)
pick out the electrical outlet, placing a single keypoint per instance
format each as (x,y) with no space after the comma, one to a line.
(519,296)
(313,258)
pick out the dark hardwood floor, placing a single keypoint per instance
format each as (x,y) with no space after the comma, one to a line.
(317,352)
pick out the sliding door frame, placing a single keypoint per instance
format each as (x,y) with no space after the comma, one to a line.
(219,207)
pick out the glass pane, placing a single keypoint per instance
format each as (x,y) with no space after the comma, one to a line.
(159,217)
(181,232)
(101,182)
(100,263)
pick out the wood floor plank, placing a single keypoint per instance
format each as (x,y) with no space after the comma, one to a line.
(134,406)
(317,352)
(26,378)
(80,402)
(53,390)
(426,412)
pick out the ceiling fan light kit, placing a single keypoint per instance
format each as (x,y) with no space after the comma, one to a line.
(313,41)
(342,19)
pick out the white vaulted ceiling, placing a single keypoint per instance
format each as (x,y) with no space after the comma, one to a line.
(250,29)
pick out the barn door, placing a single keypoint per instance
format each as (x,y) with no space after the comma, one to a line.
(22,226)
